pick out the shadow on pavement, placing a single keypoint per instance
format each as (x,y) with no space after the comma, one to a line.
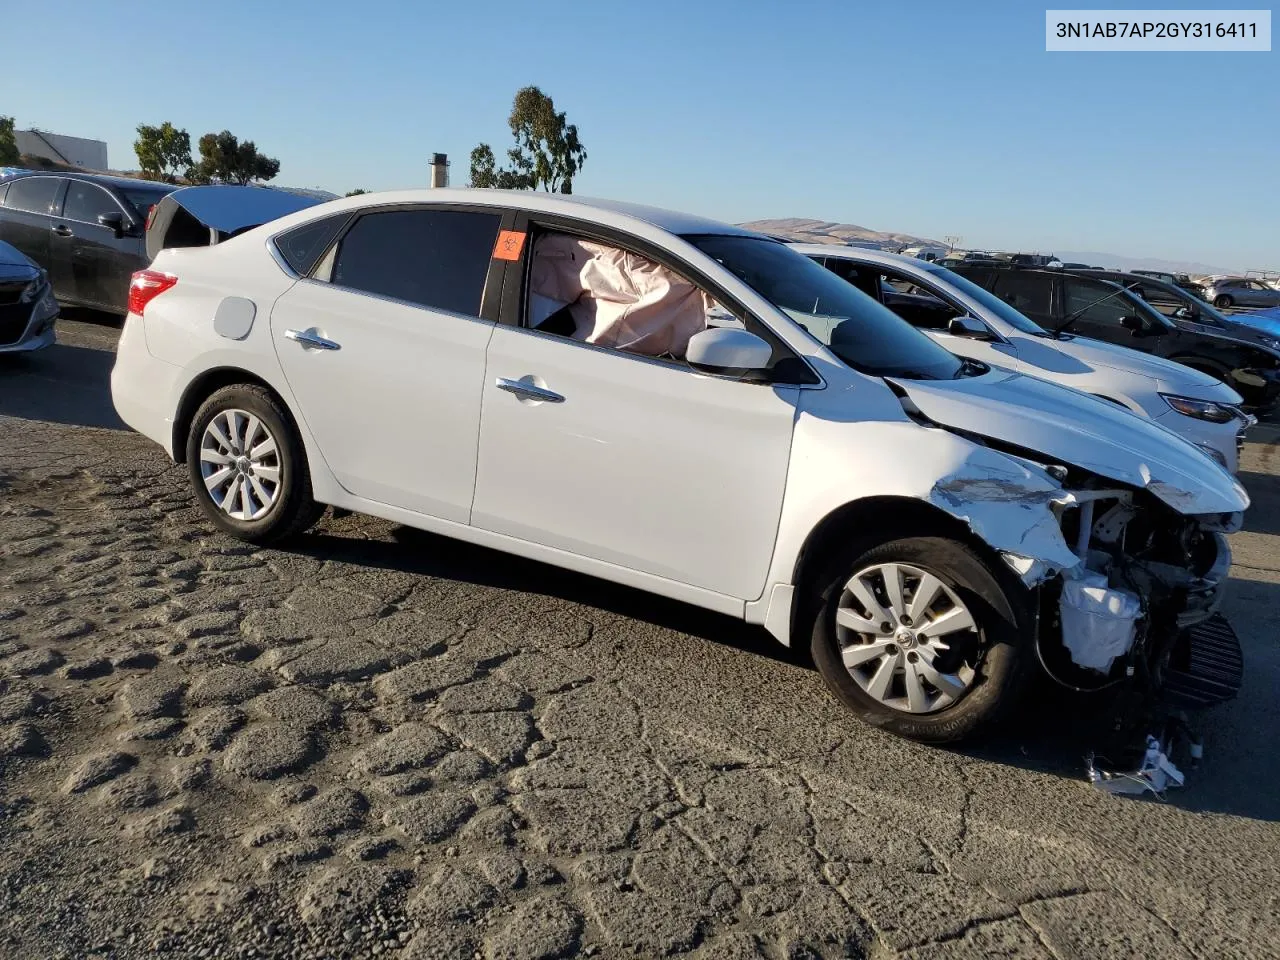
(427,554)
(1264,492)
(60,384)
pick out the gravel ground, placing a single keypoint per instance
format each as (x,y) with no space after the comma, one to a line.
(382,743)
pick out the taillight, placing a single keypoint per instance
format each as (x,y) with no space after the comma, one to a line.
(145,286)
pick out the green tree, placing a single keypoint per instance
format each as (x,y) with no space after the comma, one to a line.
(547,154)
(8,143)
(162,151)
(357,192)
(224,158)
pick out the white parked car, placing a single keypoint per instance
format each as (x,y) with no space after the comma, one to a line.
(538,374)
(972,322)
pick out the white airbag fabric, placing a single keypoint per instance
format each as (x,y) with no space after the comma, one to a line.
(1097,621)
(616,298)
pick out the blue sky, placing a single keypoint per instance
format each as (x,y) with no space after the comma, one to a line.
(932,118)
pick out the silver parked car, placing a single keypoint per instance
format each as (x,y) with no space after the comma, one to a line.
(1241,292)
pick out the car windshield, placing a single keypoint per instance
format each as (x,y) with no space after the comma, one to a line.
(989,301)
(143,199)
(863,333)
(1185,299)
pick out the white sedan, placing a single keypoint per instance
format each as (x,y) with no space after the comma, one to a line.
(684,407)
(972,322)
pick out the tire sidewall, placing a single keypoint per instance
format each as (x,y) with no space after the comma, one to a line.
(292,462)
(1222,301)
(1003,625)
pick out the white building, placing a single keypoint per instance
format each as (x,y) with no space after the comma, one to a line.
(77,151)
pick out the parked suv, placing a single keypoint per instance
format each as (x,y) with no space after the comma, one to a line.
(1186,309)
(1241,292)
(87,231)
(1090,307)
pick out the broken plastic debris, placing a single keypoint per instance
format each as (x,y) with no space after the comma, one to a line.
(1155,774)
(1097,621)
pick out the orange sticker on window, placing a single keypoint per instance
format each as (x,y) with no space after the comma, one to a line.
(509,245)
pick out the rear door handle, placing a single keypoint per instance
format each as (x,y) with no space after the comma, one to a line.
(309,338)
(529,391)
(63,230)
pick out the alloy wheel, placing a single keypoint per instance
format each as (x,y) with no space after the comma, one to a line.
(240,465)
(906,638)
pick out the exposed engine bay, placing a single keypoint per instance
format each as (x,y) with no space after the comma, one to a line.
(1132,546)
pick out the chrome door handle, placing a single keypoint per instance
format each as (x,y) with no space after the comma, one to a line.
(309,339)
(528,391)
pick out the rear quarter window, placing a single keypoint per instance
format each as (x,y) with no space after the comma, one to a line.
(302,246)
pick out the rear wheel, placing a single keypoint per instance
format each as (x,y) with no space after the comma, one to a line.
(920,637)
(247,466)
(1222,301)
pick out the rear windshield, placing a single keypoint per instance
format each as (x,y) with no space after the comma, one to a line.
(863,333)
(142,199)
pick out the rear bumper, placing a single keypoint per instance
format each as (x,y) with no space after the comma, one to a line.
(142,386)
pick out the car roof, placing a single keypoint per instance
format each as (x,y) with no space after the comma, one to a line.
(104,179)
(590,208)
(856,253)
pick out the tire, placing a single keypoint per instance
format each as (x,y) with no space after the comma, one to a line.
(1222,301)
(279,502)
(992,660)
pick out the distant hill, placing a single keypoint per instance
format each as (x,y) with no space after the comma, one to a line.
(1117,261)
(828,231)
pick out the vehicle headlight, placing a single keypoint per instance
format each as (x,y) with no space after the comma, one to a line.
(31,291)
(1209,410)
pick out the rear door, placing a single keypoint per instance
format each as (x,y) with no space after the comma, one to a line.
(27,220)
(99,262)
(384,349)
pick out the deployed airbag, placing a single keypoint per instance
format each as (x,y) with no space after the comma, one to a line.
(616,298)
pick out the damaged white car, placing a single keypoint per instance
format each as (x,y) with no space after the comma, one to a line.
(696,411)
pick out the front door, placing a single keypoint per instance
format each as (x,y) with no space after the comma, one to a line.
(385,351)
(1103,315)
(98,262)
(632,460)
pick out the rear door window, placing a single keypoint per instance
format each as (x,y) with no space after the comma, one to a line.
(32,194)
(1026,292)
(86,202)
(433,258)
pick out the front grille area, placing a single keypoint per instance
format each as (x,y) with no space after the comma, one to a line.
(11,291)
(1207,666)
(13,322)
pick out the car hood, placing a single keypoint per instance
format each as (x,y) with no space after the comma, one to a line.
(1082,431)
(1237,332)
(1175,376)
(1264,321)
(14,264)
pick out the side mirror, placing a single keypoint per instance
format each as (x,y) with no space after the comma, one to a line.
(728,353)
(970,327)
(114,222)
(1134,325)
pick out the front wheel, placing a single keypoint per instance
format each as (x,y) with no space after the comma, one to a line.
(1222,301)
(248,467)
(919,636)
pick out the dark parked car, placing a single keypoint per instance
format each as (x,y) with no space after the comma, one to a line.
(1092,307)
(1180,280)
(27,307)
(87,231)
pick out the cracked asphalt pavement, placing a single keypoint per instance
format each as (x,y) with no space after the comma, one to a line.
(379,742)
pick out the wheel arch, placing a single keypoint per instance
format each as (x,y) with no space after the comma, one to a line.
(203,387)
(875,517)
